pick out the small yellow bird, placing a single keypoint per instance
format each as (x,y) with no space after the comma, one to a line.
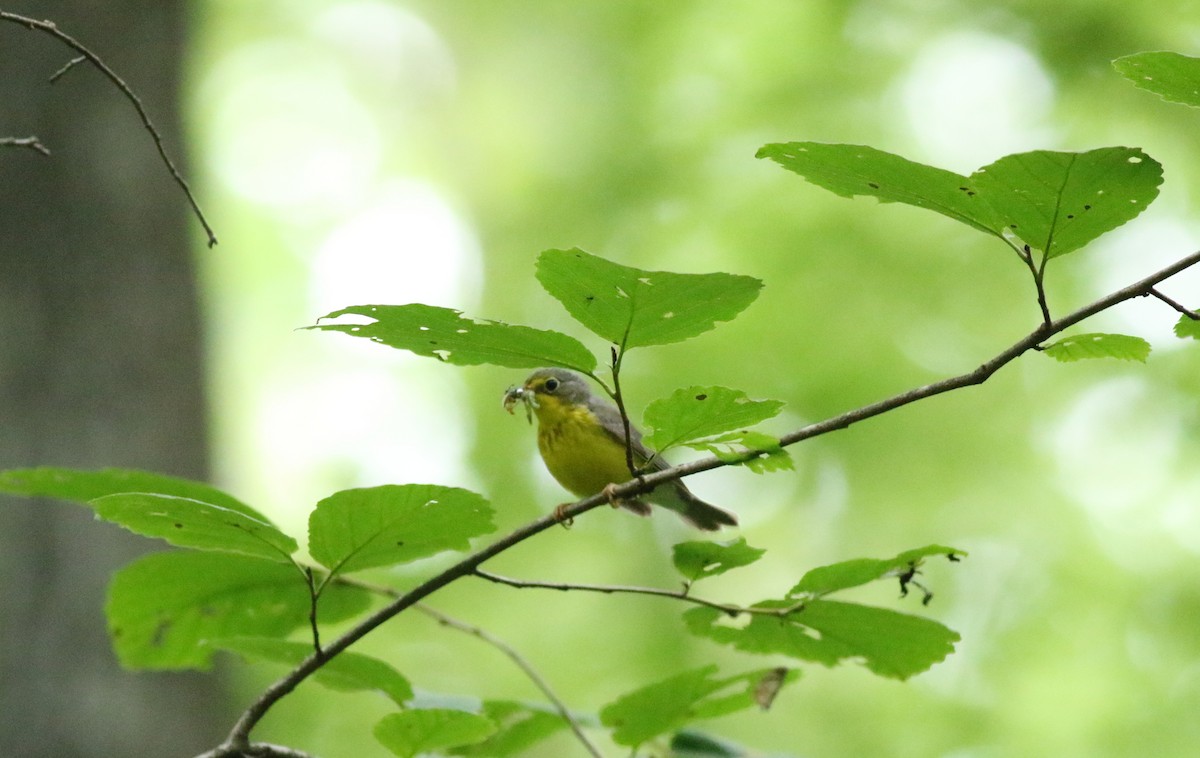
(582,442)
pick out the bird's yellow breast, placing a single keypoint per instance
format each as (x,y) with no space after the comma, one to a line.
(580,453)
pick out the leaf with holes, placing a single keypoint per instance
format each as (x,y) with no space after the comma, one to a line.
(413,732)
(854,573)
(162,608)
(700,560)
(1086,346)
(449,336)
(671,703)
(1059,202)
(1171,76)
(890,644)
(694,412)
(191,523)
(366,528)
(85,486)
(857,170)
(631,307)
(348,672)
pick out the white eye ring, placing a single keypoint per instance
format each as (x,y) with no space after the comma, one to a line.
(551,384)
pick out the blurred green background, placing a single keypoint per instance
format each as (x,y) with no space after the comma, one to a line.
(388,152)
(376,151)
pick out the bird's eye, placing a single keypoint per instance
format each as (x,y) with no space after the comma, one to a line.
(551,384)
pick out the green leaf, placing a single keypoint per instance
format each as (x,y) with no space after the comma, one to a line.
(412,732)
(190,523)
(85,486)
(688,743)
(694,412)
(519,726)
(1186,327)
(347,672)
(1082,346)
(1058,202)
(1172,76)
(447,335)
(1055,202)
(359,529)
(735,447)
(850,170)
(890,644)
(854,573)
(700,560)
(162,608)
(630,307)
(667,705)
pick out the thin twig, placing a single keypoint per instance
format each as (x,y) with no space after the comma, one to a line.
(614,589)
(1177,306)
(49,28)
(522,664)
(239,736)
(33,143)
(492,640)
(66,67)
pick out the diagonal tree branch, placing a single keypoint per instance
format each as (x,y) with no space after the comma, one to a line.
(85,54)
(469,565)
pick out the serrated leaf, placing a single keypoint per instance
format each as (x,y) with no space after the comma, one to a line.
(1186,327)
(1084,346)
(519,726)
(346,672)
(890,644)
(162,608)
(366,528)
(447,335)
(734,447)
(190,523)
(412,732)
(1171,76)
(694,412)
(667,705)
(854,573)
(1058,202)
(850,170)
(631,307)
(701,559)
(85,486)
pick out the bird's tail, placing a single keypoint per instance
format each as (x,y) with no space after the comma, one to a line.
(692,509)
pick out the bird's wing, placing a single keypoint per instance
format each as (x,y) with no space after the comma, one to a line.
(610,419)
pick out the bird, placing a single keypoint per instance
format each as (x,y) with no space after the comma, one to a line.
(581,438)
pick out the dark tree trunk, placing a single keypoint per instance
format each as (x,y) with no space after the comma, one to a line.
(100,365)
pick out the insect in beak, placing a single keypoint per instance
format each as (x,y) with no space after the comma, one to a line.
(516,395)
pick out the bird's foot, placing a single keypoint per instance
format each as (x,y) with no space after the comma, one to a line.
(608,491)
(560,515)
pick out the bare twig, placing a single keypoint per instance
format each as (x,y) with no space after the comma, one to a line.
(469,565)
(255,750)
(616,589)
(84,53)
(521,663)
(33,143)
(1177,306)
(492,640)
